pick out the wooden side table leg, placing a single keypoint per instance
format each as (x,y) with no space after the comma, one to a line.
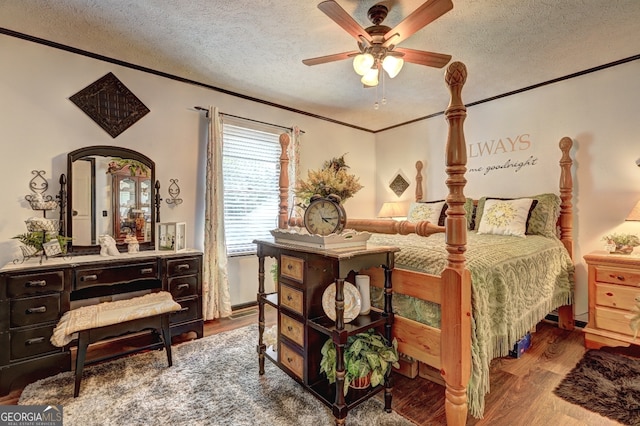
(261,322)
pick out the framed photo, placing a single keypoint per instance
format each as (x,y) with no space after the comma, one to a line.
(171,236)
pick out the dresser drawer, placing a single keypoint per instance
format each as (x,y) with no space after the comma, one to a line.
(292,329)
(186,266)
(616,296)
(613,320)
(28,284)
(190,311)
(110,275)
(32,342)
(291,298)
(35,310)
(183,286)
(292,360)
(618,275)
(292,267)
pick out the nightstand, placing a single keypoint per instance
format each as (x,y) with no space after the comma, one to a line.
(614,283)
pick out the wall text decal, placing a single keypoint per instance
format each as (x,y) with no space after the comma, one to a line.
(501,146)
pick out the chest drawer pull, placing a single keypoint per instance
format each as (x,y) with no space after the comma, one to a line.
(182,267)
(89,278)
(617,277)
(609,293)
(34,341)
(38,283)
(37,310)
(185,309)
(146,271)
(183,286)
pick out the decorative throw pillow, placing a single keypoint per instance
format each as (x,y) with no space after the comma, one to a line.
(432,211)
(470,213)
(506,217)
(544,215)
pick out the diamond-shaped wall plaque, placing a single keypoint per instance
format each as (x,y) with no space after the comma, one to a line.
(399,185)
(110,104)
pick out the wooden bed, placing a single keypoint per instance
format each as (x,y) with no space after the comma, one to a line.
(447,349)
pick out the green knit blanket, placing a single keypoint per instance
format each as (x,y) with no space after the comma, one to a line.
(516,282)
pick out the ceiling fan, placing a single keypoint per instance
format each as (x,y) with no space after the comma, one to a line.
(378,44)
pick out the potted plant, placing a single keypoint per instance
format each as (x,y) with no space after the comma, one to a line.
(621,243)
(367,356)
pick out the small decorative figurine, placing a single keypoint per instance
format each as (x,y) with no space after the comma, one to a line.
(132,243)
(108,246)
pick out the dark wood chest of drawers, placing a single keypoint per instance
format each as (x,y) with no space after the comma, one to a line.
(33,297)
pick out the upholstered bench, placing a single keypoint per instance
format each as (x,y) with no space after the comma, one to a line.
(90,324)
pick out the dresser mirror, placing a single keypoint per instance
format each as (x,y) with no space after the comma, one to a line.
(110,191)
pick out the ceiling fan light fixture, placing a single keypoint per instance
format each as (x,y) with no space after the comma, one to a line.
(370,78)
(392,65)
(362,63)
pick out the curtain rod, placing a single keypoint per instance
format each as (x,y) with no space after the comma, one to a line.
(248,119)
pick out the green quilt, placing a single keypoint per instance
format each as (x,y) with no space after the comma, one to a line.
(515,282)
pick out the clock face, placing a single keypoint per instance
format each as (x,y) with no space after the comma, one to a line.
(324,217)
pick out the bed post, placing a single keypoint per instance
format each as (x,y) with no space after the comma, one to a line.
(455,352)
(418,181)
(283,213)
(565,313)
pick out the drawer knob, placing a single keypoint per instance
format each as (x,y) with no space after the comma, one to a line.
(183,286)
(290,328)
(289,298)
(289,266)
(609,294)
(34,341)
(617,277)
(290,360)
(89,278)
(37,310)
(182,267)
(39,283)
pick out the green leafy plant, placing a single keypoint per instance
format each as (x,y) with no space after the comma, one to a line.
(624,242)
(365,353)
(135,167)
(35,239)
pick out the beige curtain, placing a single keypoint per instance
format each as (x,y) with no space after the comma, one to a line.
(215,283)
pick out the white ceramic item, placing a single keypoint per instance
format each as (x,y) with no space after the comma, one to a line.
(352,301)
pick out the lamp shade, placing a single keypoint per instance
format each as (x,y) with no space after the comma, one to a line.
(370,78)
(363,63)
(635,212)
(392,65)
(392,209)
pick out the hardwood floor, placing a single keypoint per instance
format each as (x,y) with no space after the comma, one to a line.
(521,389)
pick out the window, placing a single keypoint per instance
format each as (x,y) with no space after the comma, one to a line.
(251,167)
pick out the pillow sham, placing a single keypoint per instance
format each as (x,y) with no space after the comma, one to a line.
(470,213)
(506,217)
(544,216)
(432,211)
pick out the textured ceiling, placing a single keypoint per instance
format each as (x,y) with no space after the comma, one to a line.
(255,48)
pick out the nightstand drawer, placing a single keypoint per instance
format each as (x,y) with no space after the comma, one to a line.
(28,284)
(292,329)
(613,320)
(616,296)
(292,360)
(291,298)
(35,310)
(292,267)
(617,275)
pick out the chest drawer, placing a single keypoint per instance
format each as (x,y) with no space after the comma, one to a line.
(32,342)
(109,275)
(35,310)
(291,298)
(292,267)
(190,311)
(613,320)
(292,329)
(28,284)
(616,296)
(183,286)
(186,266)
(606,274)
(292,360)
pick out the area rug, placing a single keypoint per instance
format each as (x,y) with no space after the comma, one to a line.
(213,381)
(605,383)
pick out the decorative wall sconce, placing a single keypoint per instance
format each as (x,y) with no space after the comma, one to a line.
(39,200)
(174,193)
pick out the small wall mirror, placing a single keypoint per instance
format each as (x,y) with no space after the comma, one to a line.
(110,191)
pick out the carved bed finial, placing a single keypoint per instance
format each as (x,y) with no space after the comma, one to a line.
(456,74)
(418,194)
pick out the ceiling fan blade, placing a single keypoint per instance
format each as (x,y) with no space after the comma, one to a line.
(342,18)
(422,16)
(420,57)
(330,58)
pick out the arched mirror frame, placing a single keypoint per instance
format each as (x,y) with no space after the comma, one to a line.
(107,151)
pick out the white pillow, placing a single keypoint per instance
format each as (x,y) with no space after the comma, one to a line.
(505,217)
(430,211)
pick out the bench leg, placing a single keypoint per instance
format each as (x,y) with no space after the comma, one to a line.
(83,343)
(166,336)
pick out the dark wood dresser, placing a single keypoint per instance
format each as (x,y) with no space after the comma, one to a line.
(33,297)
(303,276)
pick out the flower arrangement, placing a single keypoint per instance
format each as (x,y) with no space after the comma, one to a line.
(621,243)
(332,178)
(135,167)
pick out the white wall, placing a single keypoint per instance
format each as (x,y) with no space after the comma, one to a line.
(599,111)
(39,126)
